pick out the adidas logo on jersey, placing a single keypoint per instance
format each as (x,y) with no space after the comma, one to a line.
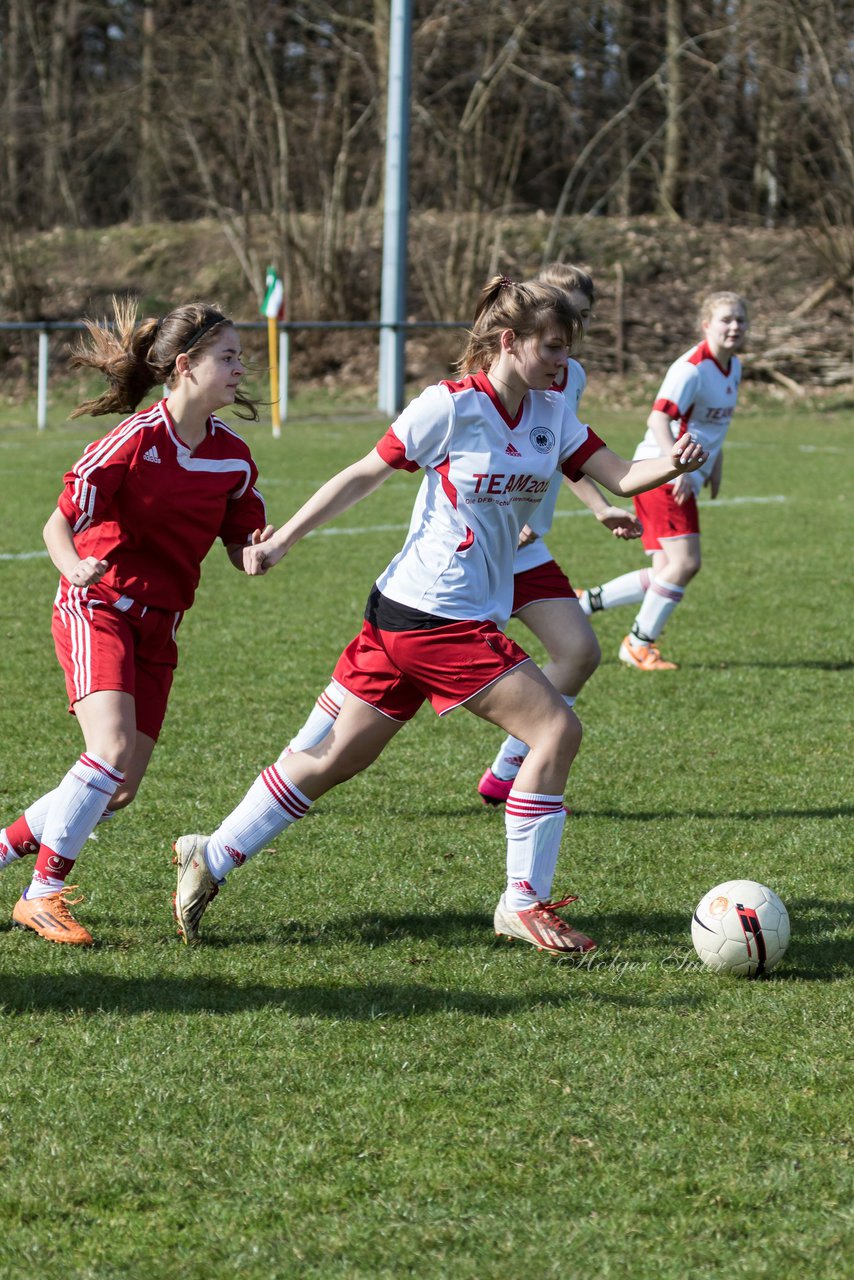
(151,455)
(513,451)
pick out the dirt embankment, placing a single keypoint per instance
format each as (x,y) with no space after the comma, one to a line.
(650,274)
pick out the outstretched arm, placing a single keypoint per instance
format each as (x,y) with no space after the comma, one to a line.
(627,478)
(332,499)
(59,541)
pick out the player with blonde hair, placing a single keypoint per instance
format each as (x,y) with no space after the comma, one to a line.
(698,395)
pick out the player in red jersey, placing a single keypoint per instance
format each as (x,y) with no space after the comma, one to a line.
(489,445)
(698,394)
(138,514)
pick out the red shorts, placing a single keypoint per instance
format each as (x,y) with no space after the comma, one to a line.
(395,671)
(101,645)
(547,582)
(662,518)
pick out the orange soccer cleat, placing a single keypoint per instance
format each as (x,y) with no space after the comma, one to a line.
(644,657)
(50,918)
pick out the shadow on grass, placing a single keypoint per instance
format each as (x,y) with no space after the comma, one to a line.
(347,1002)
(713,815)
(802,664)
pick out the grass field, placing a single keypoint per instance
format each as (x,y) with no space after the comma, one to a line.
(350,1078)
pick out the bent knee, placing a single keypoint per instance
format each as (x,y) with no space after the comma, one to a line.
(125,795)
(564,734)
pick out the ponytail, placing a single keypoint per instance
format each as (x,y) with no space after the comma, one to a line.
(527,308)
(136,356)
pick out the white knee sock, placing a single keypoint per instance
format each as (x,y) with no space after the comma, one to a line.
(76,805)
(512,751)
(534,826)
(629,588)
(321,719)
(658,604)
(270,805)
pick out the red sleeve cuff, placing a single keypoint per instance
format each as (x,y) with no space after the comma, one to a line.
(571,466)
(667,406)
(393,453)
(68,509)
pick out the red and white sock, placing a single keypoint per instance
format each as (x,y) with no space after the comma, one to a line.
(323,715)
(270,805)
(24,835)
(629,588)
(20,839)
(534,826)
(76,805)
(658,604)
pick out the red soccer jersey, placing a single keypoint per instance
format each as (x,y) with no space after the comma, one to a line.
(141,500)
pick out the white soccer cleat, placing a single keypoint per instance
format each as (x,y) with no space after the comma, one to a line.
(196,886)
(542,927)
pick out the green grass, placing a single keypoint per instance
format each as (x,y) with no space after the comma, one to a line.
(350,1079)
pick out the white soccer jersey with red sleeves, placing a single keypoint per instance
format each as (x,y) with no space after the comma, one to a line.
(699,396)
(486,474)
(140,499)
(537,553)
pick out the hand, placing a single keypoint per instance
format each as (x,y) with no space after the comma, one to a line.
(687,453)
(526,536)
(261,535)
(682,490)
(87,572)
(623,524)
(260,556)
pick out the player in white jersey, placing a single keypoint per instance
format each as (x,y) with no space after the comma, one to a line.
(489,445)
(138,514)
(698,394)
(544,599)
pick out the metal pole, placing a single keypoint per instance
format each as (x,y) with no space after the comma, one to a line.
(284,358)
(393,307)
(41,403)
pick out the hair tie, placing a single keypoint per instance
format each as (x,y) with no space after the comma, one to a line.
(505,283)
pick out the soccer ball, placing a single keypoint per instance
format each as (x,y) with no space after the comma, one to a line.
(740,927)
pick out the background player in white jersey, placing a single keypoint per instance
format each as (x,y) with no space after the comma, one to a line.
(698,394)
(489,445)
(138,514)
(543,598)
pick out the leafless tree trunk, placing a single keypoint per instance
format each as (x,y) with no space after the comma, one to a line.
(671,174)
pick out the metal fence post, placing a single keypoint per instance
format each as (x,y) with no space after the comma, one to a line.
(41,404)
(284,357)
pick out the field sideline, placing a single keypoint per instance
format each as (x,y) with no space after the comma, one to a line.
(350,1078)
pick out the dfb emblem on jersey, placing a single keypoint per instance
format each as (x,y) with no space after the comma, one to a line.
(543,439)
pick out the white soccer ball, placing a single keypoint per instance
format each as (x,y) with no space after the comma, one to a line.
(741,927)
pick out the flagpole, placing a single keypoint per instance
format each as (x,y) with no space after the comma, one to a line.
(273,351)
(273,307)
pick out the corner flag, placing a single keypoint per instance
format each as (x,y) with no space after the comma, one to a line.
(273,307)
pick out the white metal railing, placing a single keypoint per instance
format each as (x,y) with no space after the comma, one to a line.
(44,328)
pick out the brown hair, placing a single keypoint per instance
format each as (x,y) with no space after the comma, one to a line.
(723,299)
(136,356)
(526,308)
(563,275)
